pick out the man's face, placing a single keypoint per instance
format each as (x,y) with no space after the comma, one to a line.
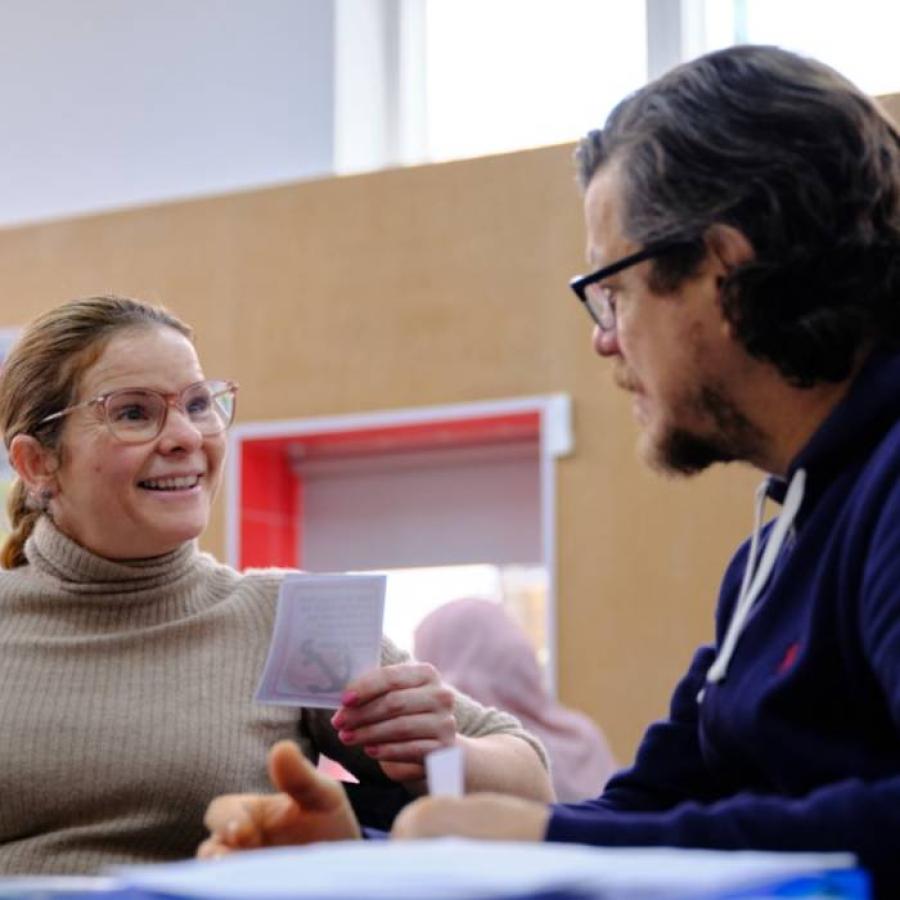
(672,351)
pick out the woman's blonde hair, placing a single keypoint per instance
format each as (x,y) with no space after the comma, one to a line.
(41,376)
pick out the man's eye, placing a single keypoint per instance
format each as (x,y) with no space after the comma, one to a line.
(609,295)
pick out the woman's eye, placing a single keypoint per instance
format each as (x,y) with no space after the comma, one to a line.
(198,405)
(132,412)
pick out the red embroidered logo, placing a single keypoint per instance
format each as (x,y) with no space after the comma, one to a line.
(789,657)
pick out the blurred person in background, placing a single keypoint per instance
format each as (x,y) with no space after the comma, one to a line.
(479,649)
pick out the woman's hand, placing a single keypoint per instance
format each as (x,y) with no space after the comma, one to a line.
(398,714)
(310,807)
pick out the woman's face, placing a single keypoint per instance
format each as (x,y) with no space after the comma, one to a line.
(118,500)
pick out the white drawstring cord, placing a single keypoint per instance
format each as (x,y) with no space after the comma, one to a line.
(754,579)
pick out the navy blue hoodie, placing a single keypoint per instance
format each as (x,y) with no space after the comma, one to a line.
(798,746)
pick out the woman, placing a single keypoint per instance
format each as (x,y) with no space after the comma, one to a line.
(481,651)
(128,659)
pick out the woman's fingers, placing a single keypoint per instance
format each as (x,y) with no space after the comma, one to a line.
(387,679)
(395,704)
(398,714)
(432,726)
(408,751)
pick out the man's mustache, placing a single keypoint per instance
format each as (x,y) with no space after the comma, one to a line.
(626,380)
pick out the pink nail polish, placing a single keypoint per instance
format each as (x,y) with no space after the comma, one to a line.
(338,719)
(345,735)
(371,751)
(349,698)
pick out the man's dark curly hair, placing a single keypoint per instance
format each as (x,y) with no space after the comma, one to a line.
(807,167)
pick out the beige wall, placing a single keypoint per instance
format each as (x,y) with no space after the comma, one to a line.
(431,285)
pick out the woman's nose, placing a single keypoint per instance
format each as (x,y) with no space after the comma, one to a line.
(179,431)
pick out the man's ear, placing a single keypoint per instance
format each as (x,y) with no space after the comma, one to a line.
(729,247)
(34,463)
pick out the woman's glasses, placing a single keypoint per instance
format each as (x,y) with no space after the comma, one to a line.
(138,415)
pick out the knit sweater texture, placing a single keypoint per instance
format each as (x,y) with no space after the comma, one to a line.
(126,704)
(798,748)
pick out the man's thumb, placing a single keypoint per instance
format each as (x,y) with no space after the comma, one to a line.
(296,776)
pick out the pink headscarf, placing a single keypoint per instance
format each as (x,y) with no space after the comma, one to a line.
(481,651)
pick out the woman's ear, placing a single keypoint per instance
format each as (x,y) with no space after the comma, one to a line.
(35,464)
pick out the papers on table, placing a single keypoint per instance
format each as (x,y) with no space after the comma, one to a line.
(43,887)
(453,869)
(445,773)
(327,632)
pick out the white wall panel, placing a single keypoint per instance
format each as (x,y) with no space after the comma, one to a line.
(434,507)
(109,103)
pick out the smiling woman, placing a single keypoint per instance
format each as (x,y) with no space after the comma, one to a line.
(128,659)
(129,478)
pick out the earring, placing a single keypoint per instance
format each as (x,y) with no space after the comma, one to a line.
(44,497)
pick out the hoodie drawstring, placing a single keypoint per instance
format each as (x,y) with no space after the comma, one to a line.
(755,579)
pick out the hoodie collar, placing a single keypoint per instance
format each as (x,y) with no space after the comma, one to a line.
(870,407)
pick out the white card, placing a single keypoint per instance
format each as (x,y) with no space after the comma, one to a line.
(327,632)
(444,772)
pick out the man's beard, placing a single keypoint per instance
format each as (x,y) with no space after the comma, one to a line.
(679,451)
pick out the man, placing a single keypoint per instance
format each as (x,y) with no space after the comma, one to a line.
(743,215)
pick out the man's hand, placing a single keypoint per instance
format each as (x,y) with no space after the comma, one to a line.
(483,816)
(310,807)
(398,714)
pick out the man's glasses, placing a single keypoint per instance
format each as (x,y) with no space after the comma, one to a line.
(138,415)
(597,298)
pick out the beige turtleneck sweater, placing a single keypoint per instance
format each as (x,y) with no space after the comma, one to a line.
(126,704)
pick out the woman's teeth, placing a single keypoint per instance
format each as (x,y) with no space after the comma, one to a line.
(170,484)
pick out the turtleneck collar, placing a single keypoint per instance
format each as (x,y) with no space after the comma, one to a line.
(80,571)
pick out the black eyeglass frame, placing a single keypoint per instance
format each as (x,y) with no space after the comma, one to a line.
(580,283)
